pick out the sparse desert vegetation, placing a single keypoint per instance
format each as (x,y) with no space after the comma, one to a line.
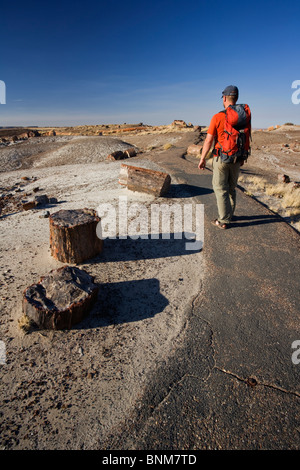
(282,198)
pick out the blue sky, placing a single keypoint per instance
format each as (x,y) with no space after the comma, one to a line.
(100,62)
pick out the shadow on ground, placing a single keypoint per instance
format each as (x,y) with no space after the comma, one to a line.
(124,302)
(182,190)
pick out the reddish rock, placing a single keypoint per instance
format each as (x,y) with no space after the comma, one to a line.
(28,205)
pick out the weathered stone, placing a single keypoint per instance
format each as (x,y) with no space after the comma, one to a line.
(130,152)
(23,136)
(284,178)
(144,180)
(117,155)
(45,215)
(194,149)
(33,134)
(42,200)
(73,237)
(27,205)
(179,123)
(60,299)
(52,200)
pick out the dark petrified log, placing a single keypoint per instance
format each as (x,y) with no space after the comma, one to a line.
(117,155)
(73,237)
(144,180)
(60,299)
(131,152)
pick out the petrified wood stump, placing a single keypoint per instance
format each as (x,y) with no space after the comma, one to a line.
(60,299)
(144,180)
(73,237)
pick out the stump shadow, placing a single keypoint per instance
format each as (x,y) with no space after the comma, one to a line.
(153,247)
(125,302)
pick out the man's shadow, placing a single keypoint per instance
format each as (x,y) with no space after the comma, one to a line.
(248,220)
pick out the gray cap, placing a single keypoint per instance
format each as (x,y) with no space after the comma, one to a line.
(231,90)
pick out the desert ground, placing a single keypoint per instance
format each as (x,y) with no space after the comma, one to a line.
(70,389)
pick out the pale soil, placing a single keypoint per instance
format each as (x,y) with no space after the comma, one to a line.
(276,152)
(71,389)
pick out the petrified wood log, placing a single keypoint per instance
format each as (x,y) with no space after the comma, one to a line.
(144,180)
(130,152)
(117,155)
(60,299)
(73,237)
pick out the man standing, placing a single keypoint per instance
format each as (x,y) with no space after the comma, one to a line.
(225,170)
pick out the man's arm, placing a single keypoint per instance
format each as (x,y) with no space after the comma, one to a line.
(206,148)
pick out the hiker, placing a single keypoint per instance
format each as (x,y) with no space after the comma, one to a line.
(229,133)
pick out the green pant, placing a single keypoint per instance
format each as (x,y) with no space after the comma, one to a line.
(225,177)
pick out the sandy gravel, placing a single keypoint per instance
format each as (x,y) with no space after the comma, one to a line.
(70,389)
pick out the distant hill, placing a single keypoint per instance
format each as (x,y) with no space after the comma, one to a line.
(11,131)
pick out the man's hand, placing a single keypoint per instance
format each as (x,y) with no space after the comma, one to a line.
(209,140)
(201,165)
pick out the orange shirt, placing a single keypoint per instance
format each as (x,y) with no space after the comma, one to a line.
(216,128)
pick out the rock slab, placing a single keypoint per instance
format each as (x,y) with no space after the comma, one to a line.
(61,299)
(194,149)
